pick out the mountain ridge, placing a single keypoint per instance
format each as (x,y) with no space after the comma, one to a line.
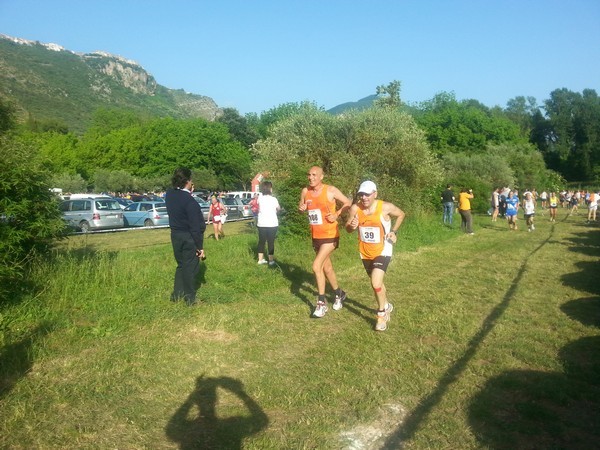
(46,82)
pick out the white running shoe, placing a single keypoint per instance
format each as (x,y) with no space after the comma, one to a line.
(263,261)
(383,318)
(339,301)
(320,310)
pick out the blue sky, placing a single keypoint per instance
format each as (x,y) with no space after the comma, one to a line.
(256,54)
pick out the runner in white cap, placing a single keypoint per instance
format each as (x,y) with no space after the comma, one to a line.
(376,236)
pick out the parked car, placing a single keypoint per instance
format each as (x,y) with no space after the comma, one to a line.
(241,194)
(247,211)
(235,207)
(88,214)
(202,193)
(123,202)
(204,206)
(146,214)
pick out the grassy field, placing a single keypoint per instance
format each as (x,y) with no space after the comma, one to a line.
(493,343)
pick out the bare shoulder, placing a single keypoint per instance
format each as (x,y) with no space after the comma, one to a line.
(390,208)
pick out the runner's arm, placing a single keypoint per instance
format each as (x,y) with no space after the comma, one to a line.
(352,222)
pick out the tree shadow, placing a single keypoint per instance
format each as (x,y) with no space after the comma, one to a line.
(416,417)
(586,279)
(534,409)
(17,359)
(585,310)
(197,424)
(528,409)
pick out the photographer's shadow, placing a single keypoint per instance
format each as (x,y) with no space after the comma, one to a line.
(197,425)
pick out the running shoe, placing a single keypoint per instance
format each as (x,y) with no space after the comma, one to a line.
(272,263)
(263,261)
(339,301)
(320,310)
(383,318)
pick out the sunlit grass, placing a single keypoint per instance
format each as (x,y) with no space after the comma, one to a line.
(99,357)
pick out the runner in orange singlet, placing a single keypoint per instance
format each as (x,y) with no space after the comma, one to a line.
(376,236)
(319,201)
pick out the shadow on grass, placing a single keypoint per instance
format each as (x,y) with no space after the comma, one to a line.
(362,311)
(301,282)
(198,425)
(417,416)
(533,409)
(17,359)
(585,310)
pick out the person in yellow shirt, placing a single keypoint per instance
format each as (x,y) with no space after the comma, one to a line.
(464,209)
(553,206)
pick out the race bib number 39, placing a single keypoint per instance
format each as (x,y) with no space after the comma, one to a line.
(315,217)
(370,235)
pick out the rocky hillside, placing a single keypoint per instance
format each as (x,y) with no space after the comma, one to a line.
(48,83)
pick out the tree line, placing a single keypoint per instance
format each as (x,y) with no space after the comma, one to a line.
(411,151)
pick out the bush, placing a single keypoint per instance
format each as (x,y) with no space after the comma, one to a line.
(29,217)
(380,144)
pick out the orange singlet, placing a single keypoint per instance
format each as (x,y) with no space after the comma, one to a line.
(372,229)
(318,207)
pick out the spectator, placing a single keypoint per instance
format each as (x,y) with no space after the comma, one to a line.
(448,204)
(187,235)
(464,209)
(267,223)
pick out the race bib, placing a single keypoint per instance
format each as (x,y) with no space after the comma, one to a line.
(370,235)
(315,217)
(216,218)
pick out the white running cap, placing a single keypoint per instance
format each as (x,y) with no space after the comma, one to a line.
(367,187)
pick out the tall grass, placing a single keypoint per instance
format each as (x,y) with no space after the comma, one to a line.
(485,348)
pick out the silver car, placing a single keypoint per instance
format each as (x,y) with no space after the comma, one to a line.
(146,214)
(204,206)
(88,214)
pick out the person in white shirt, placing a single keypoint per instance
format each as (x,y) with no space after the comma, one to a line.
(267,223)
(592,206)
(529,209)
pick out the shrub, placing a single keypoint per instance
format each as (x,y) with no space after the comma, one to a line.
(29,217)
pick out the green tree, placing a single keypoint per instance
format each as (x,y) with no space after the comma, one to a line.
(69,183)
(7,116)
(521,110)
(106,180)
(381,144)
(29,216)
(573,137)
(267,119)
(389,96)
(466,126)
(239,127)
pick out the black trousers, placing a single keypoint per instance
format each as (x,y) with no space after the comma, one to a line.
(267,234)
(188,267)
